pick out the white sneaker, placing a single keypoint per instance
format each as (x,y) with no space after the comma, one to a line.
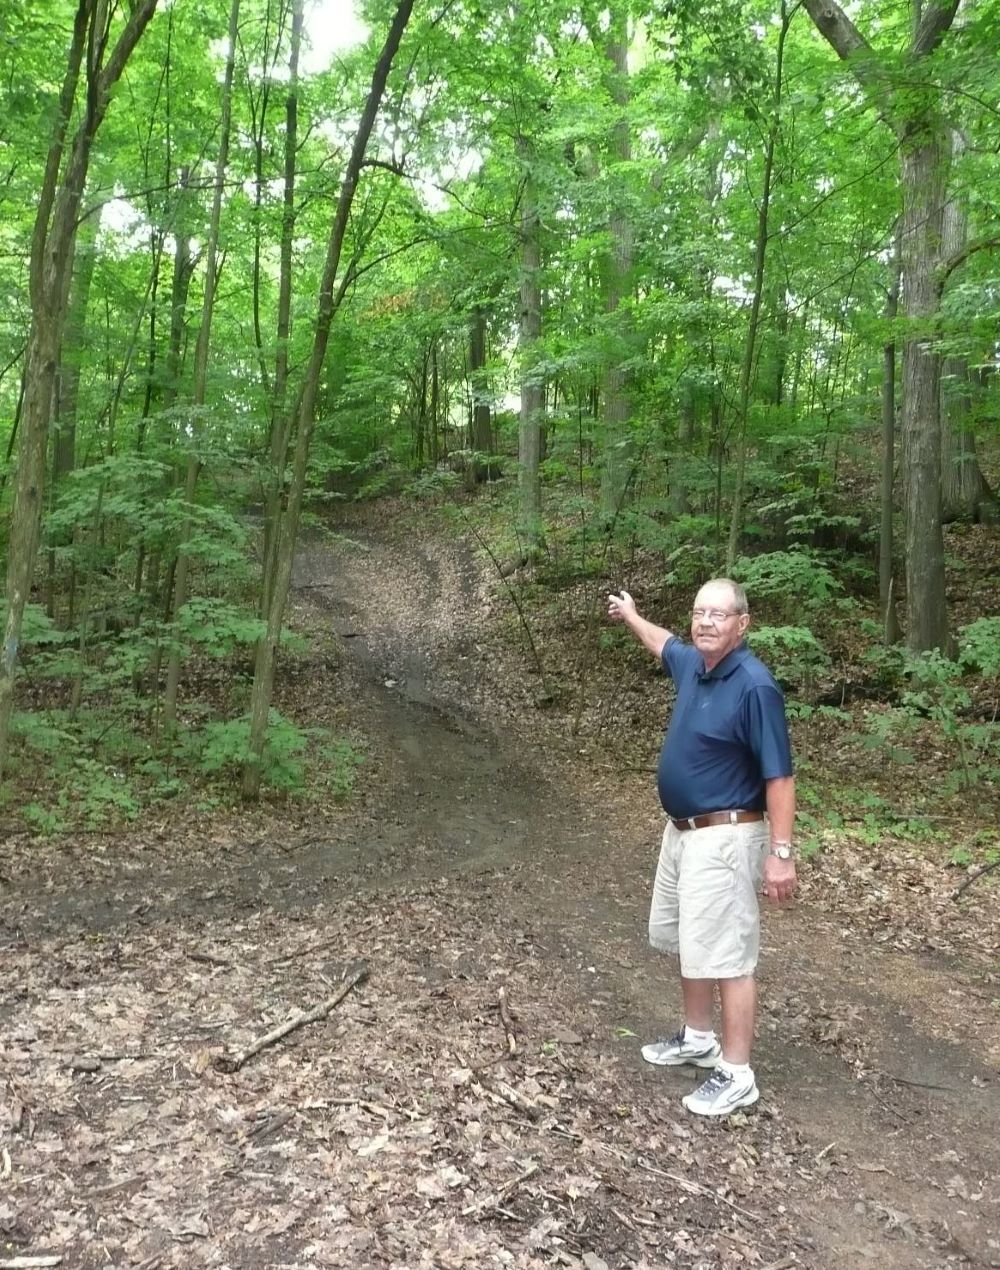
(722,1094)
(675,1051)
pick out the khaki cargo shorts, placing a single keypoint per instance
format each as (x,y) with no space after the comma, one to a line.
(705,898)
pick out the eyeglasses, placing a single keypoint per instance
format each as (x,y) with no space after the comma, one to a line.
(715,616)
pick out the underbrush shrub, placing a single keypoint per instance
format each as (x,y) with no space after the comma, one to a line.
(793,654)
(794,582)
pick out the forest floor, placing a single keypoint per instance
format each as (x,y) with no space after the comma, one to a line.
(478,1099)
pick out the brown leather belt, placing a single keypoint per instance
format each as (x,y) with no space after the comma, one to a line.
(717,818)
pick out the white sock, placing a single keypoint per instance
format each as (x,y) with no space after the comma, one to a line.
(694,1037)
(742,1071)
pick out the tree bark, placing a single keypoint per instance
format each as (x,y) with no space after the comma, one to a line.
(480,438)
(753,325)
(618,447)
(913,114)
(529,443)
(281,418)
(923,173)
(886,590)
(182,571)
(965,494)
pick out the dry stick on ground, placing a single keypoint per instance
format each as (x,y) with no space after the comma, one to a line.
(987,868)
(508,1027)
(695,1188)
(209,959)
(24,1263)
(233,1063)
(504,1192)
(920,1084)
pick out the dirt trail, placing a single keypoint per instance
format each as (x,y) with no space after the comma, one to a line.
(854,1053)
(471,856)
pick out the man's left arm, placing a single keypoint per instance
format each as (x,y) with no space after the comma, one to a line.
(779,875)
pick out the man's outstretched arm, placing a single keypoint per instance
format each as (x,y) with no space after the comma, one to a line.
(621,608)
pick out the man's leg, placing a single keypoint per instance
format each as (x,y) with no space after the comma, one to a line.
(739,1011)
(698,1004)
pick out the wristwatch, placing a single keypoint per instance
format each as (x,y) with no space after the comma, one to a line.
(783,850)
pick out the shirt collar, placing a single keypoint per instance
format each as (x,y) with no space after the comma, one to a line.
(729,663)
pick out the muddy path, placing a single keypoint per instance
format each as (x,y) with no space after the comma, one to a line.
(479,849)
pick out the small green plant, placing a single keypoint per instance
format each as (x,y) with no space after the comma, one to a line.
(938,693)
(223,748)
(46,820)
(795,581)
(340,761)
(432,484)
(793,653)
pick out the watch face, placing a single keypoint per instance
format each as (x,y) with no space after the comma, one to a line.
(783,853)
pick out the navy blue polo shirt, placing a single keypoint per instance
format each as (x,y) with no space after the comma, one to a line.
(727,736)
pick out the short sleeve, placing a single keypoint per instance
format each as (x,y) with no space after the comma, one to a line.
(767,731)
(678,657)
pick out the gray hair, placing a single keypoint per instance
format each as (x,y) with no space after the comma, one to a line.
(738,592)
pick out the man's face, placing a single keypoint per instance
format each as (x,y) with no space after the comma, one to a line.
(713,635)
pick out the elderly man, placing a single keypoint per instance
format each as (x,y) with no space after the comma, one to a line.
(725,781)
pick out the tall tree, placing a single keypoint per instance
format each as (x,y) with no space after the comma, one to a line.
(529,444)
(618,449)
(182,570)
(51,266)
(910,103)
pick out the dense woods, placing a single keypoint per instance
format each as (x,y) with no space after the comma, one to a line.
(712,284)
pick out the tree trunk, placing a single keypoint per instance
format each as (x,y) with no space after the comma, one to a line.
(760,260)
(182,571)
(923,171)
(618,448)
(532,391)
(281,418)
(911,110)
(965,494)
(435,402)
(67,387)
(480,438)
(329,302)
(886,590)
(52,247)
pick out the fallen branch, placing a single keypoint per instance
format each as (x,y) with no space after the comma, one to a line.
(232,1063)
(316,946)
(508,1027)
(974,877)
(695,1188)
(504,1192)
(264,1128)
(373,1108)
(920,1084)
(128,1184)
(208,958)
(25,1263)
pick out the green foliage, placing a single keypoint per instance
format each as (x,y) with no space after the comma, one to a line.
(432,484)
(38,630)
(216,627)
(793,653)
(794,582)
(221,749)
(980,647)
